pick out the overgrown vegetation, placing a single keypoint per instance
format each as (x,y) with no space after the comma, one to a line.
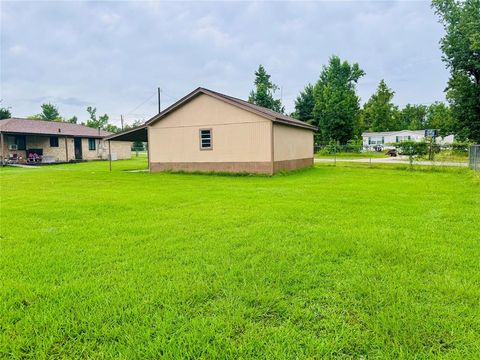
(330,262)
(412,149)
(461,49)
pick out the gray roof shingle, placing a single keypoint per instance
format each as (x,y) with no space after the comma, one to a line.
(42,127)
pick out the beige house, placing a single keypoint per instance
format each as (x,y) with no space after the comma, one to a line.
(37,141)
(209,131)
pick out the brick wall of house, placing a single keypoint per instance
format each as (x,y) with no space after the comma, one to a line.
(121,148)
(91,154)
(41,142)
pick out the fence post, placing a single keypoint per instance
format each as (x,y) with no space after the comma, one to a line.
(475,159)
(335,155)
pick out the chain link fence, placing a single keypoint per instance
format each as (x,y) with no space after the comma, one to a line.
(474,157)
(433,154)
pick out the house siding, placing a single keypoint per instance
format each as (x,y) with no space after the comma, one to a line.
(292,143)
(242,141)
(390,138)
(237,135)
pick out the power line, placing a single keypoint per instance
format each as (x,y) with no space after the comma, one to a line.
(131,114)
(142,103)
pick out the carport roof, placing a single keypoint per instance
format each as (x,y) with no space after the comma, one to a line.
(136,134)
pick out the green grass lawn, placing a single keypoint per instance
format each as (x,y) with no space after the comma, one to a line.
(329,262)
(347,155)
(443,156)
(450,156)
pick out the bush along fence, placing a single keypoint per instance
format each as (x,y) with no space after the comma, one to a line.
(425,152)
(474,157)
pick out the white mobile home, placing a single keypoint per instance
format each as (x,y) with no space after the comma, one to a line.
(387,138)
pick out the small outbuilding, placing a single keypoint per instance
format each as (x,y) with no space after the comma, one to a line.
(208,131)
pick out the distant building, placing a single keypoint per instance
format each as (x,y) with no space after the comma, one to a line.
(29,141)
(208,131)
(387,138)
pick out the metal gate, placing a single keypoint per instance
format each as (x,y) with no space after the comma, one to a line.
(474,157)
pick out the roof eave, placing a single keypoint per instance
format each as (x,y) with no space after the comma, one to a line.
(201,90)
(121,133)
(125,132)
(198,91)
(50,134)
(295,124)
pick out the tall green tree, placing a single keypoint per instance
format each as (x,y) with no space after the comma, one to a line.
(134,124)
(94,122)
(379,113)
(413,117)
(337,105)
(461,49)
(49,113)
(439,116)
(263,95)
(5,113)
(72,120)
(304,104)
(112,128)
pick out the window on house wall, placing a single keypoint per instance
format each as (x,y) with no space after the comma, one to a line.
(402,138)
(21,142)
(375,140)
(205,139)
(53,141)
(91,144)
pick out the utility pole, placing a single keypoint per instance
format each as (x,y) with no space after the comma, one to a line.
(159,101)
(121,120)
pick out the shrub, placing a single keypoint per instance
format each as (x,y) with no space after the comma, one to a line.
(460,147)
(351,147)
(412,149)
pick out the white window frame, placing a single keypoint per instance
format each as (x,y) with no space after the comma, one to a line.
(401,138)
(202,147)
(376,140)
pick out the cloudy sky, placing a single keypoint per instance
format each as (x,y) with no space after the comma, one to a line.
(113,55)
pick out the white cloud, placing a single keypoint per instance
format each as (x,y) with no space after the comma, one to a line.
(17,50)
(110,19)
(206,30)
(115,54)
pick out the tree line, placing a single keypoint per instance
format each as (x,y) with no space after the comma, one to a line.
(332,104)
(50,112)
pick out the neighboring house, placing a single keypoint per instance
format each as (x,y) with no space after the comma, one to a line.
(26,140)
(209,131)
(387,138)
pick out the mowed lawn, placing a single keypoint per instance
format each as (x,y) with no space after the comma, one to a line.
(330,262)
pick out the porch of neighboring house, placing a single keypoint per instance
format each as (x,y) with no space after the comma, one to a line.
(44,149)
(26,141)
